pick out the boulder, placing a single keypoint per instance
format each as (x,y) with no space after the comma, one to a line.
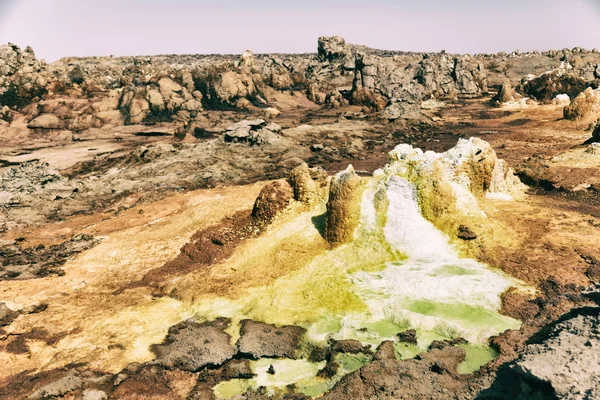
(254,132)
(465,233)
(191,346)
(227,87)
(349,346)
(334,99)
(243,131)
(258,339)
(401,110)
(584,107)
(561,361)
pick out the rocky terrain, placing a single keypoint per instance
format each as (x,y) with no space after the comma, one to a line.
(189,227)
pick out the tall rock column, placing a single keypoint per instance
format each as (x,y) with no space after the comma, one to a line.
(343,206)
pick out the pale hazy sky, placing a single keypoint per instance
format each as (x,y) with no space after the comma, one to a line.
(59,28)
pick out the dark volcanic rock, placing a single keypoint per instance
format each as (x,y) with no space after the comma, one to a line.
(191,346)
(238,369)
(409,336)
(258,339)
(505,94)
(465,233)
(561,361)
(431,375)
(349,346)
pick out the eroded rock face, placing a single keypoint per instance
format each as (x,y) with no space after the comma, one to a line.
(191,346)
(444,76)
(343,206)
(258,339)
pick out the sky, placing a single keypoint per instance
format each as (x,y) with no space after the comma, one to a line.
(61,28)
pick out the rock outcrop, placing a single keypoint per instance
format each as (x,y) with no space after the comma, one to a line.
(444,76)
(547,86)
(45,121)
(505,94)
(22,77)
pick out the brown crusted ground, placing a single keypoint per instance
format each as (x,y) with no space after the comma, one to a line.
(205,248)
